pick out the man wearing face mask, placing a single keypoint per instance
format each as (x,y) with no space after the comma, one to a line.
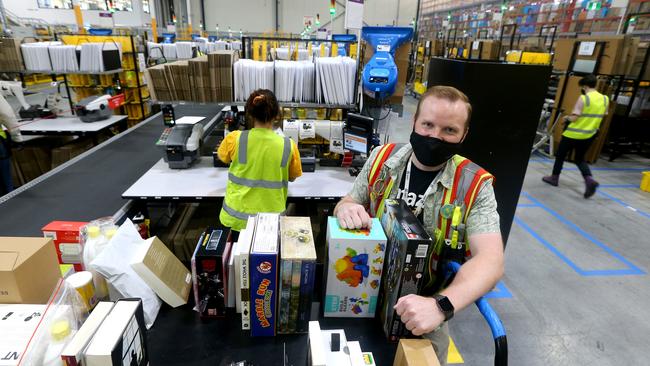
(584,123)
(435,182)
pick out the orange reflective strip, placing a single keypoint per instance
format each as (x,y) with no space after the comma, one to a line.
(383,154)
(473,191)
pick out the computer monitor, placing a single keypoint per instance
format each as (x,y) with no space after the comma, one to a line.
(358,133)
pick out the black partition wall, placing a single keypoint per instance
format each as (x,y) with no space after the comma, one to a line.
(507,101)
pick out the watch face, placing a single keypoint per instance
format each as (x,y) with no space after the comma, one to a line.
(445,304)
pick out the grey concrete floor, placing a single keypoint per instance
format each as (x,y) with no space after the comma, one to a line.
(576,270)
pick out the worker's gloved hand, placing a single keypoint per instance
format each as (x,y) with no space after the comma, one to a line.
(352,215)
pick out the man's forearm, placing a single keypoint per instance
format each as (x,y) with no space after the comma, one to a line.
(474,279)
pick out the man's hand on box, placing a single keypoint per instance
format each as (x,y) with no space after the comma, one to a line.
(352,215)
(419,314)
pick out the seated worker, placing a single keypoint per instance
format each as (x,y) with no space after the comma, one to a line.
(425,173)
(261,164)
(7,120)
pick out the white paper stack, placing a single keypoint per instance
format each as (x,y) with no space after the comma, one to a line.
(335,80)
(316,51)
(250,75)
(235,45)
(282,53)
(184,50)
(92,59)
(202,44)
(64,58)
(303,54)
(169,50)
(36,55)
(294,81)
(155,50)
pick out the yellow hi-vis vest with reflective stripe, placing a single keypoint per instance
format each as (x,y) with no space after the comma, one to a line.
(593,110)
(258,177)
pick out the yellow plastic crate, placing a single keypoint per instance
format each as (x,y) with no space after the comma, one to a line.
(645,181)
(419,88)
(125,41)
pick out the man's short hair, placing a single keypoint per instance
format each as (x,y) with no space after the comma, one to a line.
(589,81)
(448,93)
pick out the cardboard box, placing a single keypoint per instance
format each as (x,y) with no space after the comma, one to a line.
(614,54)
(415,352)
(406,262)
(65,235)
(29,270)
(17,327)
(297,273)
(484,50)
(209,272)
(355,262)
(263,268)
(163,272)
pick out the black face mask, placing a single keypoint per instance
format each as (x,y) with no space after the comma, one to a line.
(431,151)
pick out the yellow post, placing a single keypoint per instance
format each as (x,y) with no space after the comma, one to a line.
(322,50)
(335,49)
(79,18)
(154,29)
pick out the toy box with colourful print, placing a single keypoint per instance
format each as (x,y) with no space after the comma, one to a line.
(354,267)
(263,267)
(406,260)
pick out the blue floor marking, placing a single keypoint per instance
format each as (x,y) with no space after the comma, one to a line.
(632,269)
(500,292)
(620,202)
(527,205)
(618,186)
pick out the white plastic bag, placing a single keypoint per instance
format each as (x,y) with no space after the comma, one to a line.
(113,263)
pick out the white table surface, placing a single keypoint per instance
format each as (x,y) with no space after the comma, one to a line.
(67,125)
(203,180)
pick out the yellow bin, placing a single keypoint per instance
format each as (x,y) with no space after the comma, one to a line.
(645,181)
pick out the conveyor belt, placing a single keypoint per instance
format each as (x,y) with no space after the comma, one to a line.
(90,187)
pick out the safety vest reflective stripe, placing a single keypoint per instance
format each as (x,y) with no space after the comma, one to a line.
(586,100)
(592,115)
(234,213)
(243,147)
(382,155)
(580,131)
(257,183)
(286,152)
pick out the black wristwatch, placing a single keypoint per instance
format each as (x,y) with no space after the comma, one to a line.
(445,306)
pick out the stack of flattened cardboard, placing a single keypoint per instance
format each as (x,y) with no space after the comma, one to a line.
(10,56)
(200,78)
(157,83)
(180,75)
(220,64)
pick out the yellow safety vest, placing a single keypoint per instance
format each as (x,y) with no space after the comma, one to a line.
(258,177)
(3,134)
(593,110)
(450,243)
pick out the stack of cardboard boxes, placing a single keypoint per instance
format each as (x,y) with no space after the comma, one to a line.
(485,50)
(204,79)
(220,64)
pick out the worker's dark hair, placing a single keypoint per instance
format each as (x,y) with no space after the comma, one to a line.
(262,106)
(448,93)
(589,80)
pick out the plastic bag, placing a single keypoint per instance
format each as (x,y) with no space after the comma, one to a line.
(113,264)
(65,306)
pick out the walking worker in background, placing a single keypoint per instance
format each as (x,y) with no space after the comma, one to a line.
(427,173)
(584,122)
(262,164)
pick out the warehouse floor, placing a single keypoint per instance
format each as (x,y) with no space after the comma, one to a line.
(576,289)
